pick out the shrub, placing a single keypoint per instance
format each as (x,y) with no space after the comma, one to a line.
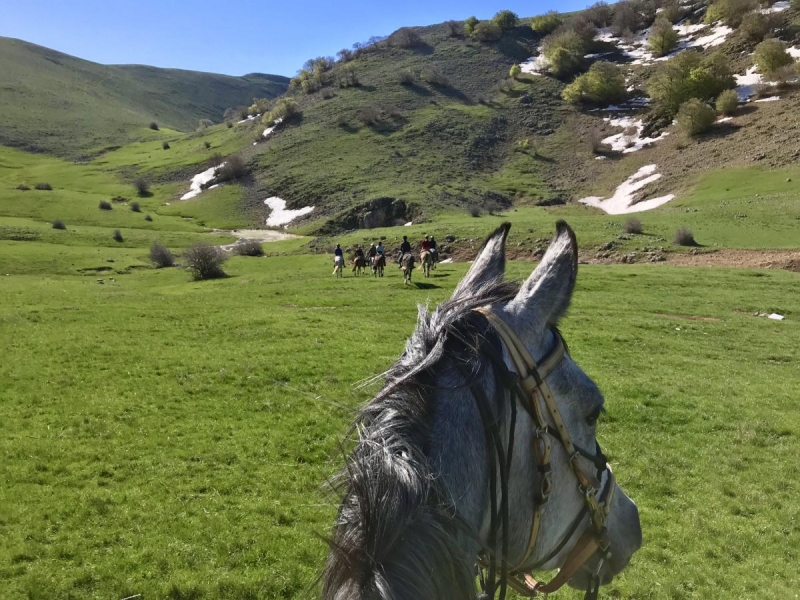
(599,13)
(695,117)
(346,77)
(434,76)
(405,37)
(165,145)
(727,102)
(161,256)
(43,186)
(342,120)
(327,94)
(142,186)
(103,205)
(514,71)
(310,85)
(505,19)
(136,207)
(475,210)
(784,75)
(59,224)
(625,19)
(454,28)
(771,55)
(207,144)
(686,76)
(731,12)
(204,123)
(595,141)
(148,218)
(546,23)
(602,85)
(672,12)
(663,38)
(228,124)
(585,30)
(154,126)
(564,51)
(470,24)
(22,187)
(370,116)
(795,4)
(633,225)
(754,26)
(117,235)
(249,248)
(286,109)
(215,160)
(345,55)
(234,168)
(684,237)
(487,31)
(406,77)
(204,261)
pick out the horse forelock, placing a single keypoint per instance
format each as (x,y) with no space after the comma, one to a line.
(397,535)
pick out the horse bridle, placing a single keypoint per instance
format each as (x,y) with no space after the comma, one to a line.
(536,397)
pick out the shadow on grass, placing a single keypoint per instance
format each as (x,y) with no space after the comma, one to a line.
(425,286)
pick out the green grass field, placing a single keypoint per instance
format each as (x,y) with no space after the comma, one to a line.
(170,438)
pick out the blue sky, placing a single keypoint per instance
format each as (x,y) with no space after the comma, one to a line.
(231,37)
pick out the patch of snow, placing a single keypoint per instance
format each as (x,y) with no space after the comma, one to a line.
(409,224)
(724,119)
(775,8)
(535,65)
(621,202)
(793,52)
(745,84)
(249,118)
(269,130)
(776,317)
(770,99)
(600,157)
(198,181)
(719,33)
(446,261)
(598,55)
(687,30)
(630,142)
(259,235)
(280,215)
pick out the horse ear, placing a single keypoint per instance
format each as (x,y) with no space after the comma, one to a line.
(545,296)
(489,266)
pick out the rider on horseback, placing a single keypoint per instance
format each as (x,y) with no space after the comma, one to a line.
(405,248)
(372,252)
(425,245)
(359,252)
(380,249)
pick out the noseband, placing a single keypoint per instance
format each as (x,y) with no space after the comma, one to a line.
(536,398)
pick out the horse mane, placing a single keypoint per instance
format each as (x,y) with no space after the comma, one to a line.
(396,536)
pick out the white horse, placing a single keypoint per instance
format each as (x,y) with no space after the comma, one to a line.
(338,266)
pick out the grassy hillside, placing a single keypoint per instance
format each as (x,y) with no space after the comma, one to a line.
(56,103)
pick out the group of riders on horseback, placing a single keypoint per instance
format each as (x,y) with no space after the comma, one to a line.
(376,258)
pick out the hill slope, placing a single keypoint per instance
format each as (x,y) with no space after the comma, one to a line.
(61,104)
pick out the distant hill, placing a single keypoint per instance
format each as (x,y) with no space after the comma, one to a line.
(56,103)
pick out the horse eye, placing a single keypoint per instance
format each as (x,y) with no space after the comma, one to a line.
(591,420)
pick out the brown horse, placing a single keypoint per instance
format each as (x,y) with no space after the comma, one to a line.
(378,263)
(359,265)
(426,258)
(407,264)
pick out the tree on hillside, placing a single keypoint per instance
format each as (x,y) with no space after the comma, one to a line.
(564,50)
(727,102)
(602,85)
(506,19)
(672,11)
(600,14)
(695,117)
(546,23)
(754,27)
(663,38)
(730,12)
(514,71)
(405,37)
(470,24)
(688,75)
(770,56)
(625,19)
(487,31)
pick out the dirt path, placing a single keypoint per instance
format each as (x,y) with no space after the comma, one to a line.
(261,235)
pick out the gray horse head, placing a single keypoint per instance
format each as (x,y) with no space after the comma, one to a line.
(415,511)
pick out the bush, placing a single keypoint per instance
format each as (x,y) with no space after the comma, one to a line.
(514,71)
(161,256)
(564,51)
(663,38)
(684,237)
(370,116)
(346,77)
(585,30)
(595,141)
(249,248)
(731,12)
(506,19)
(154,126)
(234,169)
(602,85)
(435,77)
(754,26)
(672,12)
(546,23)
(454,28)
(784,76)
(43,186)
(345,55)
(487,31)
(148,218)
(59,224)
(204,261)
(695,117)
(475,210)
(204,123)
(405,37)
(228,124)
(103,205)
(342,120)
(117,235)
(142,186)
(770,56)
(686,76)
(215,160)
(165,145)
(136,207)
(207,144)
(22,187)
(406,77)
(633,225)
(727,102)
(600,14)
(285,109)
(625,19)
(470,24)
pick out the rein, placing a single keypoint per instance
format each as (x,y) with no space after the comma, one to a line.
(528,386)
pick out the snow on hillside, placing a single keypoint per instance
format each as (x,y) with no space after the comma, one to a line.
(198,181)
(621,202)
(282,216)
(630,139)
